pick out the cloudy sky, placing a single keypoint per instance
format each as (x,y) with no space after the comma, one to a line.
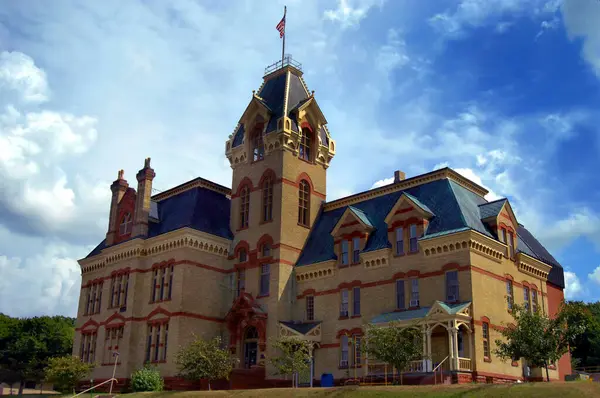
(505,91)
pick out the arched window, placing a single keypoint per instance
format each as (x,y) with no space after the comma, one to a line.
(258,146)
(243,255)
(266,249)
(267,189)
(304,203)
(244,207)
(305,144)
(125,227)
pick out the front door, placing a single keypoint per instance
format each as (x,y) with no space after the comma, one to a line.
(250,353)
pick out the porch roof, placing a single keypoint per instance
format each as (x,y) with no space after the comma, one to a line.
(450,309)
(300,327)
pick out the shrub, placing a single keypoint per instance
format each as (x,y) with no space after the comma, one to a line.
(146,379)
(65,372)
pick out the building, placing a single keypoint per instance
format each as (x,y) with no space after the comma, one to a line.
(271,257)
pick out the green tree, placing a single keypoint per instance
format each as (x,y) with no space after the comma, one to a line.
(27,344)
(585,350)
(538,339)
(147,379)
(394,344)
(204,359)
(294,356)
(65,372)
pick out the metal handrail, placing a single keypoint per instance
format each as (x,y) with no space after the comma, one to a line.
(436,368)
(97,385)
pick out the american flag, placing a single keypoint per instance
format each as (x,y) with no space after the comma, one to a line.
(281,26)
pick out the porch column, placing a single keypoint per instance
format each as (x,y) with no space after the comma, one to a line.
(429,355)
(424,357)
(450,348)
(471,351)
(455,347)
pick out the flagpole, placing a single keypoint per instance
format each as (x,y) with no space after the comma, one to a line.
(283,48)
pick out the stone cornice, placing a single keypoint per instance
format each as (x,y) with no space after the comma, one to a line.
(137,248)
(324,269)
(464,240)
(376,258)
(408,183)
(532,266)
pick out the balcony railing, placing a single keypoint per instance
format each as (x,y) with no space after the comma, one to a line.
(286,61)
(464,364)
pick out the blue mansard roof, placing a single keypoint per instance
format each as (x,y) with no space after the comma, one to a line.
(455,209)
(198,208)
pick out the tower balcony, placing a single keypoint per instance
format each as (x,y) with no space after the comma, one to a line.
(286,61)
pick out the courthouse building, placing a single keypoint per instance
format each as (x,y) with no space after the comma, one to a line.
(271,257)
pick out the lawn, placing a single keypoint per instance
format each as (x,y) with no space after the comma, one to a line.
(529,390)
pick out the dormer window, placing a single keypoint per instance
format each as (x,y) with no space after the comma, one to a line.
(503,236)
(355,250)
(345,250)
(305,144)
(126,223)
(413,239)
(399,241)
(511,244)
(258,146)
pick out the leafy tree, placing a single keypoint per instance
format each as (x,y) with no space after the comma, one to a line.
(27,344)
(147,379)
(294,356)
(65,372)
(537,338)
(204,359)
(585,350)
(394,344)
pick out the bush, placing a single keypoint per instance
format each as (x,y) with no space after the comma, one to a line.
(146,379)
(65,372)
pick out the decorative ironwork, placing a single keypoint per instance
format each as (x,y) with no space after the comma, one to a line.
(287,61)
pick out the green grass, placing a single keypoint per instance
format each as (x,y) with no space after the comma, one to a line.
(529,390)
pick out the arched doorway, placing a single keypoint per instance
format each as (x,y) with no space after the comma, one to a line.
(250,345)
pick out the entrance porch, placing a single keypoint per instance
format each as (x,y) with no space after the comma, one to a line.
(447,338)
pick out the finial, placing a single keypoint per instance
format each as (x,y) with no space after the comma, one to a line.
(147,163)
(120,175)
(253,92)
(312,93)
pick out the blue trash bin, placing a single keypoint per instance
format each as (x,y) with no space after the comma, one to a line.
(326,380)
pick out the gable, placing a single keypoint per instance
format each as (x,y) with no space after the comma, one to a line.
(407,203)
(351,220)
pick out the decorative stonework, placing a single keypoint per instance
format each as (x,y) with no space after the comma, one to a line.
(531,266)
(466,240)
(313,334)
(408,183)
(137,248)
(376,259)
(316,271)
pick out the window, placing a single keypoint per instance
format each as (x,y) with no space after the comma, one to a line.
(526,298)
(486,339)
(112,340)
(243,256)
(93,297)
(265,275)
(310,308)
(126,224)
(400,300)
(266,250)
(452,286)
(241,281)
(413,239)
(356,301)
(399,241)
(357,350)
(534,300)
(303,203)
(267,189)
(258,147)
(344,352)
(305,144)
(162,283)
(355,250)
(504,240)
(244,207)
(414,292)
(345,252)
(344,304)
(156,343)
(87,351)
(509,294)
(119,287)
(511,244)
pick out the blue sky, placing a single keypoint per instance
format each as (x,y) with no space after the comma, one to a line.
(507,92)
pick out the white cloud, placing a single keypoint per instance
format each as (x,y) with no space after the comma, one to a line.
(18,73)
(393,54)
(581,21)
(380,183)
(595,276)
(471,175)
(573,287)
(350,12)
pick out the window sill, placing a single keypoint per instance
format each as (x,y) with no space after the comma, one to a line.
(487,359)
(342,317)
(400,310)
(266,222)
(355,316)
(304,226)
(412,253)
(159,301)
(399,254)
(343,265)
(263,295)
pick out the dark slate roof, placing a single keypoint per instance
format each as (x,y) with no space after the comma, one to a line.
(418,313)
(300,327)
(491,209)
(239,136)
(361,215)
(272,94)
(198,208)
(418,202)
(455,209)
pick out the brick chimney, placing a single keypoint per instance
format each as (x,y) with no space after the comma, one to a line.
(118,188)
(142,201)
(399,176)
